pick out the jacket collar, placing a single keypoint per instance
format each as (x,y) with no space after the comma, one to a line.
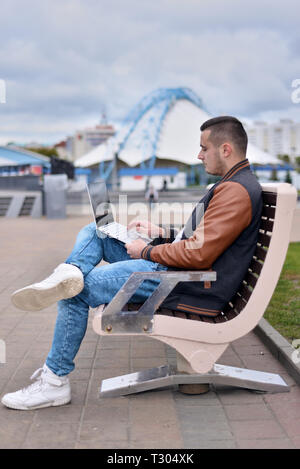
(237,167)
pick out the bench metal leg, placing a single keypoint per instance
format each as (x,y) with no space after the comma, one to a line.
(165,376)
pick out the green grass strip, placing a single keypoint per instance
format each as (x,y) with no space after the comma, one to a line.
(283,312)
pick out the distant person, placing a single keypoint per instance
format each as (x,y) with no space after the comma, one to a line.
(151,196)
(165,185)
(231,215)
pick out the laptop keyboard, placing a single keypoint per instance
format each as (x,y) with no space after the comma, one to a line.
(118,231)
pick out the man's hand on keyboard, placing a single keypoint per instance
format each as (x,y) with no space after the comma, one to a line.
(146,228)
(135,248)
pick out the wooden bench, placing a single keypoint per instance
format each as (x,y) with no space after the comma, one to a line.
(200,341)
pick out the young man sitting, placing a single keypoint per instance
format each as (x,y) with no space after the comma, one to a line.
(232,210)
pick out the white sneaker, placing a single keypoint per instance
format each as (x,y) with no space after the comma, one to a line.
(65,282)
(48,390)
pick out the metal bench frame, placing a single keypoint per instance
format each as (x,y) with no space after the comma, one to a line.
(200,341)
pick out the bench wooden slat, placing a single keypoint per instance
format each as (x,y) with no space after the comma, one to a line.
(229,306)
(268,212)
(179,314)
(260,253)
(269,198)
(238,303)
(263,239)
(195,317)
(220,318)
(231,314)
(232,309)
(267,225)
(207,319)
(165,312)
(245,292)
(255,266)
(251,279)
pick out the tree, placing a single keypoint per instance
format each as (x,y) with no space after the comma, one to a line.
(284,158)
(45,151)
(274,176)
(288,177)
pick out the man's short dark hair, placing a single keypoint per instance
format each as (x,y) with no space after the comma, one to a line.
(227,128)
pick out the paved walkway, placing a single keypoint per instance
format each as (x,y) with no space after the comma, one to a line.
(222,418)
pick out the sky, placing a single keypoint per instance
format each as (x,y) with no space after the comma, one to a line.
(66,62)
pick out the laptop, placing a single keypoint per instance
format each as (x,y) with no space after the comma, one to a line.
(103,216)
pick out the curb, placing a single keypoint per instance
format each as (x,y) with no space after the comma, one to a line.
(279,347)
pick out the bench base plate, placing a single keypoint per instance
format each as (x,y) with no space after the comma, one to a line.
(166,376)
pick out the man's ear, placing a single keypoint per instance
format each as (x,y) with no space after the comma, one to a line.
(226,150)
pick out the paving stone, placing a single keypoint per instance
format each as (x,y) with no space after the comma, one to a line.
(230,395)
(195,434)
(207,399)
(296,442)
(248,412)
(265,444)
(257,429)
(291,426)
(104,413)
(156,443)
(292,396)
(98,443)
(209,444)
(100,432)
(51,435)
(70,413)
(12,434)
(285,409)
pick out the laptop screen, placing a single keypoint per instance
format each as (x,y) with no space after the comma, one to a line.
(99,200)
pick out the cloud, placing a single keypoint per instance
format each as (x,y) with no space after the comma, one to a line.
(64,61)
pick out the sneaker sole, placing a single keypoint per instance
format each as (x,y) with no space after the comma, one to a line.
(34,298)
(56,403)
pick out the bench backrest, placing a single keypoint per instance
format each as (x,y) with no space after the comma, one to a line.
(247,307)
(250,302)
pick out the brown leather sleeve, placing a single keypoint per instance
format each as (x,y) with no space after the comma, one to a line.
(227,215)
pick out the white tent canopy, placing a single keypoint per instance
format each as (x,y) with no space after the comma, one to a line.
(178,139)
(258,156)
(95,156)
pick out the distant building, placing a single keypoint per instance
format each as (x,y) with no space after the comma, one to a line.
(277,139)
(62,150)
(85,140)
(17,161)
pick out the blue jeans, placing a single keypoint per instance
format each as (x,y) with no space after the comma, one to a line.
(100,286)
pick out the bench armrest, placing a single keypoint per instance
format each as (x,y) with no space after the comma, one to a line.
(115,320)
